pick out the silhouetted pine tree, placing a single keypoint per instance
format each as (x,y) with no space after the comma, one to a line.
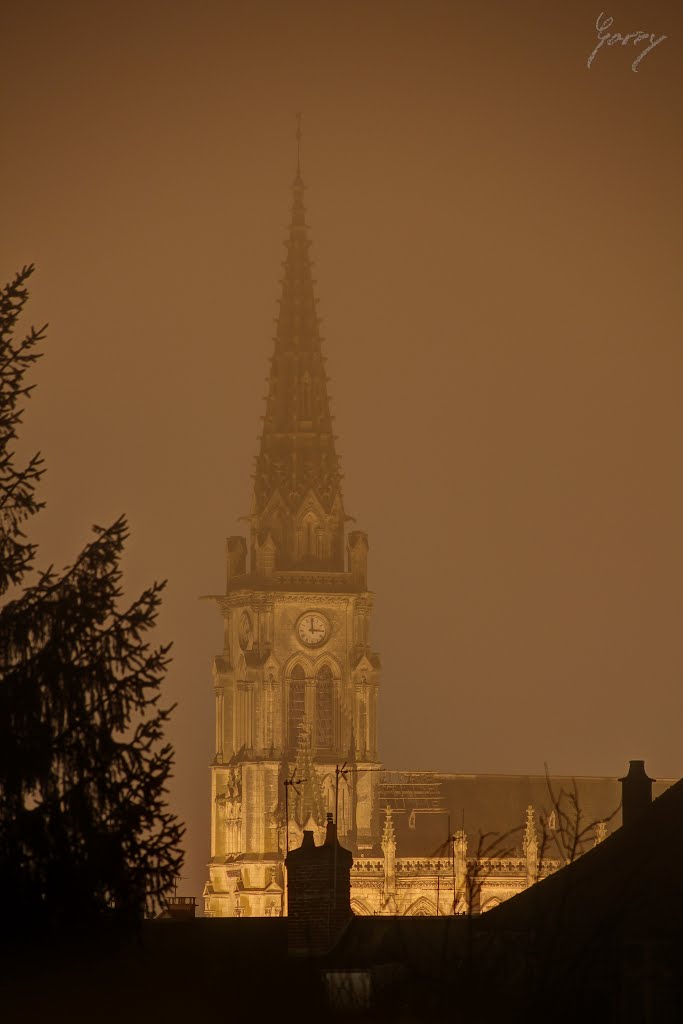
(17,483)
(84,824)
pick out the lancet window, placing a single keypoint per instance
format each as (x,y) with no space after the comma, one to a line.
(344,805)
(309,539)
(269,712)
(324,708)
(245,715)
(340,802)
(297,703)
(363,719)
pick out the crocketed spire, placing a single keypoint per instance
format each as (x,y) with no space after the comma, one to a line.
(310,802)
(297,481)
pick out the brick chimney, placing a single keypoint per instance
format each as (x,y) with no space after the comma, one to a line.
(636,794)
(318,893)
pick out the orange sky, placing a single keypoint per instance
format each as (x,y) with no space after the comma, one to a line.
(497,236)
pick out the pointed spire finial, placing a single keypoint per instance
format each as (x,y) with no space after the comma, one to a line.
(388,834)
(600,832)
(310,803)
(530,835)
(298,145)
(297,444)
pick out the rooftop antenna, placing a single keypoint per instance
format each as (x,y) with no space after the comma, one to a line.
(343,771)
(448,845)
(451,840)
(295,783)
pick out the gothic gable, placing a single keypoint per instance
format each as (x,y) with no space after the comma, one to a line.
(363,665)
(275,508)
(271,666)
(310,506)
(422,907)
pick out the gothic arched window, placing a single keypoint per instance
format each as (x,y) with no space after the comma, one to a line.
(269,712)
(328,793)
(363,719)
(276,530)
(297,704)
(324,709)
(309,539)
(344,803)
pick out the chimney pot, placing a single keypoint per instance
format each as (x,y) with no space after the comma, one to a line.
(307,842)
(636,793)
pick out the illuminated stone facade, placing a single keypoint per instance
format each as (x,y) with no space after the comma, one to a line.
(450,883)
(296,682)
(296,689)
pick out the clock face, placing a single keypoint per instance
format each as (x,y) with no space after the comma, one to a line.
(245,630)
(312,629)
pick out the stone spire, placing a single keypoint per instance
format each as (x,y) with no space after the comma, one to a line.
(297,482)
(389,851)
(600,832)
(530,834)
(388,834)
(310,803)
(463,881)
(530,846)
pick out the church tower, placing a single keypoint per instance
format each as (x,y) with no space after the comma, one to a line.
(296,683)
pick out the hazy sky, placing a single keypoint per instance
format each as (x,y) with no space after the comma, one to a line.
(497,238)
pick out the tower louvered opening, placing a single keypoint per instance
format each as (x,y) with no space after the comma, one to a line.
(297,704)
(324,709)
